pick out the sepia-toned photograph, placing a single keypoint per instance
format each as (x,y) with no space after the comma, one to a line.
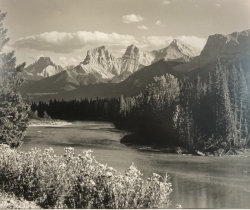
(124,104)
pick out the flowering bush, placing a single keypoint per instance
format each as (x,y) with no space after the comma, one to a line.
(72,181)
(9,201)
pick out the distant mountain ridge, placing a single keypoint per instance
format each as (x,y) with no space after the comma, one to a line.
(176,51)
(42,68)
(100,66)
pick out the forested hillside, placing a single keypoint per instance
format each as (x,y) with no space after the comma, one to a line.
(200,115)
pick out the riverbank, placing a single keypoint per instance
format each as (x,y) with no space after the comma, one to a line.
(50,123)
(135,141)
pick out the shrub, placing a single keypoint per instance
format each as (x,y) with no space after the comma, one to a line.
(72,181)
(10,201)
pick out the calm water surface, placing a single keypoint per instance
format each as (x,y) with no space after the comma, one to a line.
(198,182)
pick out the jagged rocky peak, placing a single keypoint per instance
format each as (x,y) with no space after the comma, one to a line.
(184,48)
(143,57)
(175,42)
(176,51)
(43,67)
(178,44)
(45,60)
(101,58)
(98,55)
(131,50)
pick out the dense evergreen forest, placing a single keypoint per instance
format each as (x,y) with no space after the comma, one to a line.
(196,115)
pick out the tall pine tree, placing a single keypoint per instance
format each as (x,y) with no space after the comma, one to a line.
(13,110)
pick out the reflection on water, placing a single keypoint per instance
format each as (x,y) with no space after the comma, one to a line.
(198,182)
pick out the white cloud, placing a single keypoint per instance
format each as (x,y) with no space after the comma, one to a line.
(143,27)
(73,60)
(63,58)
(131,18)
(158,22)
(217,5)
(166,2)
(68,61)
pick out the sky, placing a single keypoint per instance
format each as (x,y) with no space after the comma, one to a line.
(65,29)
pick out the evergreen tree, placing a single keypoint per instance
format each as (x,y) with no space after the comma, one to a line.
(222,108)
(242,106)
(122,105)
(13,110)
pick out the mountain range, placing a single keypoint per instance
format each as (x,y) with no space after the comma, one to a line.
(103,75)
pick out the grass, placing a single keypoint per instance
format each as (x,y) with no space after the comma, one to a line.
(71,181)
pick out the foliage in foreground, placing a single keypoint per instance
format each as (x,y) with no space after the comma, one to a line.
(10,201)
(72,181)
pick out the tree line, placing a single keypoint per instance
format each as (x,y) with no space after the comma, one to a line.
(84,109)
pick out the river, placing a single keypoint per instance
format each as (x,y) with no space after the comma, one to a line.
(198,182)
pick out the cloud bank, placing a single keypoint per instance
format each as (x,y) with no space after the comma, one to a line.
(66,43)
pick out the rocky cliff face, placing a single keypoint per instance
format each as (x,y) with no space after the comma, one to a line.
(234,43)
(229,48)
(43,67)
(99,66)
(101,57)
